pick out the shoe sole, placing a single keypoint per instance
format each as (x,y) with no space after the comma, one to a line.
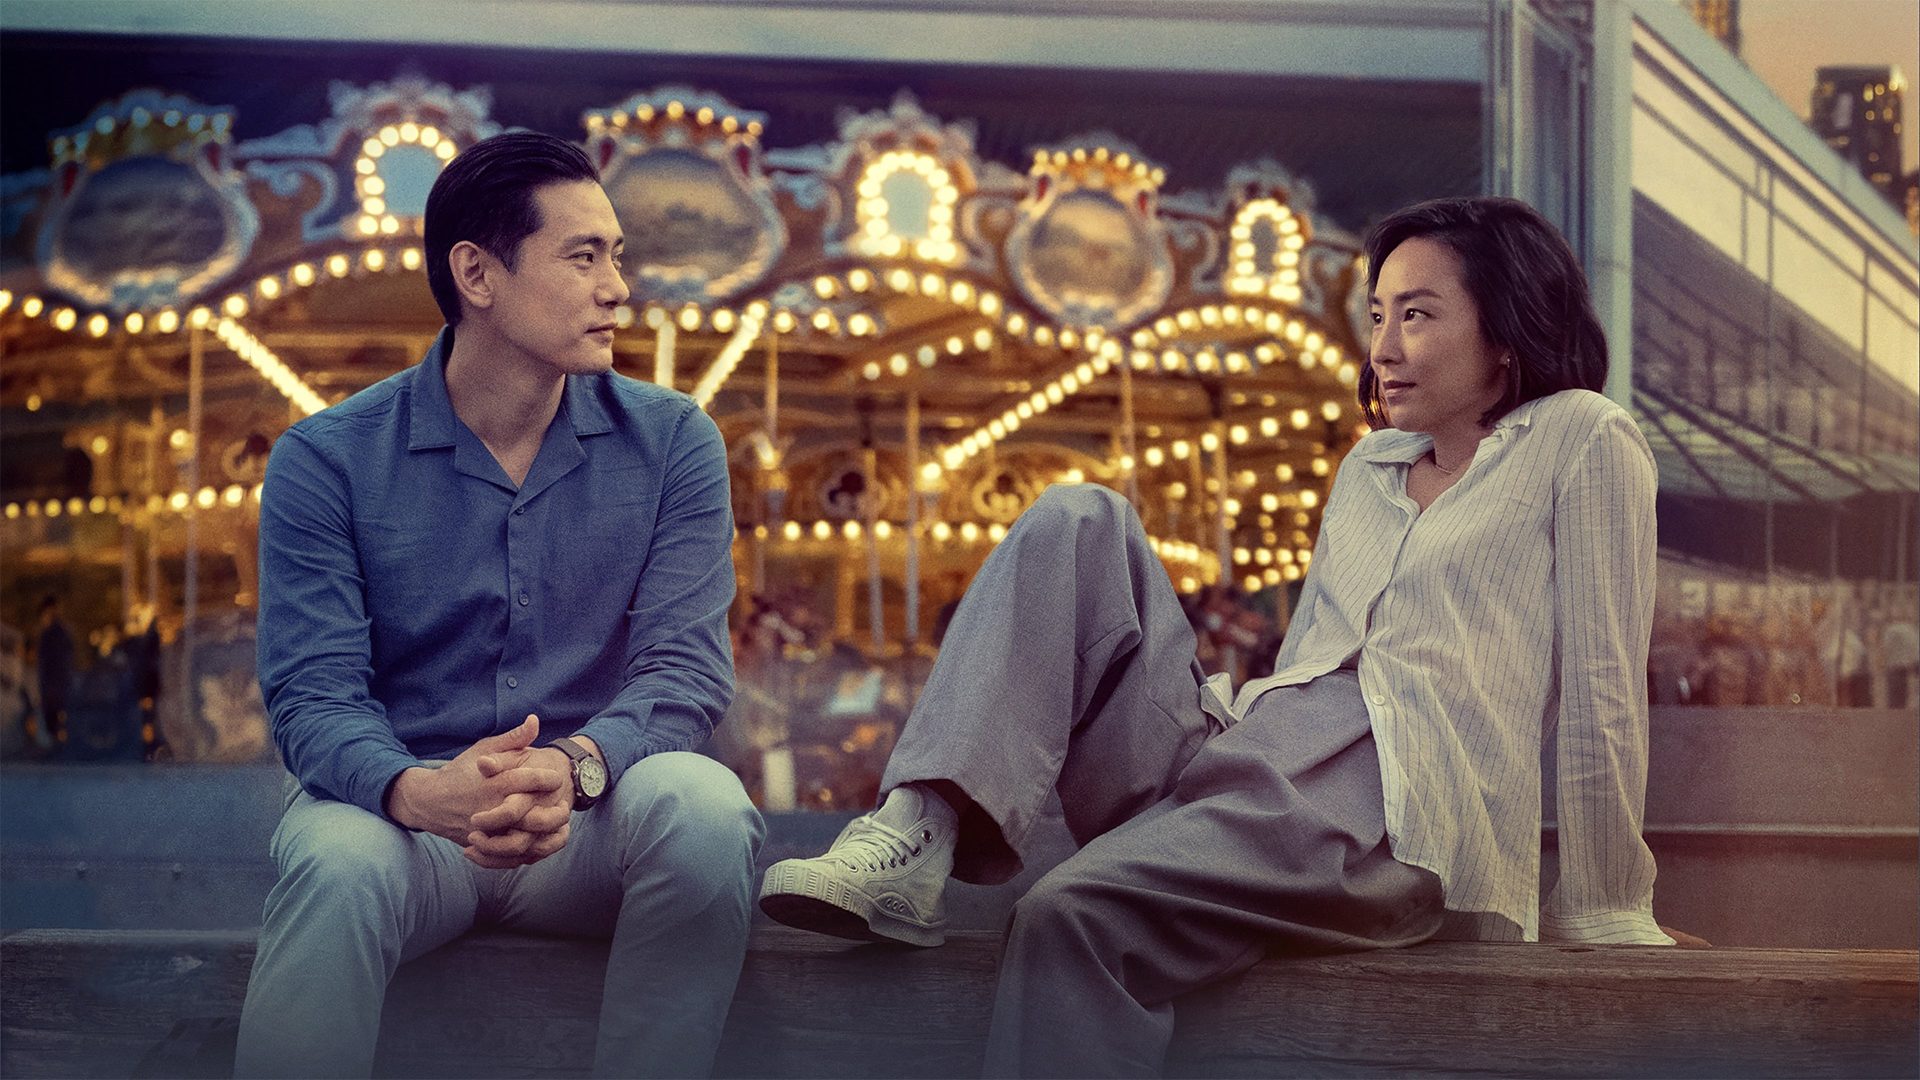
(806,901)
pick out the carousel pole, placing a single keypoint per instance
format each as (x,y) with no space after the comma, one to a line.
(870,465)
(913,520)
(1127,434)
(154,420)
(190,594)
(771,413)
(1222,533)
(666,336)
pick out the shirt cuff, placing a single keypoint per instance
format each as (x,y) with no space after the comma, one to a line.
(619,744)
(1603,928)
(367,788)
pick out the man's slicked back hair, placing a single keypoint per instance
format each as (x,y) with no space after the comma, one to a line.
(1523,277)
(486,195)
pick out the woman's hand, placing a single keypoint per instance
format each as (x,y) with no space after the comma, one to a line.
(1686,940)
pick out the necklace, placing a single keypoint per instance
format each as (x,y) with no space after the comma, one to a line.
(1436,464)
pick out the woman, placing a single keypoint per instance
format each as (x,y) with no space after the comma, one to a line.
(1482,588)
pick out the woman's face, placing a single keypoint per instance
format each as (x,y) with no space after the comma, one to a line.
(1436,372)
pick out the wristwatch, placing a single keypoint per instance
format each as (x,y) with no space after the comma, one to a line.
(589,776)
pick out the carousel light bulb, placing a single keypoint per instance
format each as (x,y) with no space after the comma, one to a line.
(942,531)
(168,321)
(389,225)
(1283,473)
(882,530)
(444,150)
(337,265)
(135,322)
(1209,442)
(1181,450)
(234,495)
(390,135)
(859,280)
(374,260)
(824,287)
(897,363)
(1155,457)
(1330,411)
(929,472)
(784,322)
(65,318)
(851,530)
(955,346)
(31,307)
(1238,434)
(822,530)
(368,226)
(429,136)
(1299,419)
(411,258)
(989,303)
(205,498)
(791,530)
(969,532)
(1309,498)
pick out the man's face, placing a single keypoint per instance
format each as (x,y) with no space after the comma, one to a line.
(556,304)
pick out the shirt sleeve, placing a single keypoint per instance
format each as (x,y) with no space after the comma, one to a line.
(314,644)
(679,677)
(1603,582)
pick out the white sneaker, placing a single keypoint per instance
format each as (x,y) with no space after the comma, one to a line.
(877,882)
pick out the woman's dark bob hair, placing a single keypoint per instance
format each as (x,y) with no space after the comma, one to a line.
(1527,284)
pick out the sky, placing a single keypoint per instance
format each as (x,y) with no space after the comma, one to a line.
(1785,40)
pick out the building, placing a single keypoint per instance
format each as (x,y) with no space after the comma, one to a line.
(1859,111)
(1721,18)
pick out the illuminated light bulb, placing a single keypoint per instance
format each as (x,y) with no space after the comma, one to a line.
(1209,442)
(1298,418)
(65,318)
(135,322)
(234,495)
(1283,473)
(411,258)
(942,531)
(1155,457)
(955,346)
(791,530)
(374,260)
(996,532)
(930,472)
(168,321)
(897,364)
(389,225)
(969,532)
(822,530)
(1238,434)
(851,530)
(1309,498)
(1182,450)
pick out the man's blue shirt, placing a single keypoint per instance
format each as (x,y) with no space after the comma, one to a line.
(413,601)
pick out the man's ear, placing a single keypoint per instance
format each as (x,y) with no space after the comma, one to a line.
(473,271)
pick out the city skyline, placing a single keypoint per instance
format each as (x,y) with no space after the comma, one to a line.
(1786,41)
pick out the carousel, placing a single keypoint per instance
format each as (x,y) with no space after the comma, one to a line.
(902,342)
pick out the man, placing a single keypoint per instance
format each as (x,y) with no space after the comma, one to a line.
(500,545)
(53,657)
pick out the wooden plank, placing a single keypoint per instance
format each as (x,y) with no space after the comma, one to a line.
(93,1003)
(1549,1010)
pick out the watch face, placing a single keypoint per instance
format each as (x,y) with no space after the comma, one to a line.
(593,778)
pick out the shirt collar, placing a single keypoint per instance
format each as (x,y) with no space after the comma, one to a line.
(431,420)
(1391,446)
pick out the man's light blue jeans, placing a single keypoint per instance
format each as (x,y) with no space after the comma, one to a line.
(664,866)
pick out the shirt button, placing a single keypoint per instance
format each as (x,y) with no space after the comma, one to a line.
(525,599)
(1378,699)
(512,683)
(519,510)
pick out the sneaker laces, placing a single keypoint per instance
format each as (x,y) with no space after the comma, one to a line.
(874,847)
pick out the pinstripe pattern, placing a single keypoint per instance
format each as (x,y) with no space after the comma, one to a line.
(1515,610)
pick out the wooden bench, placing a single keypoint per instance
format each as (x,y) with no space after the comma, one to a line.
(99,1003)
